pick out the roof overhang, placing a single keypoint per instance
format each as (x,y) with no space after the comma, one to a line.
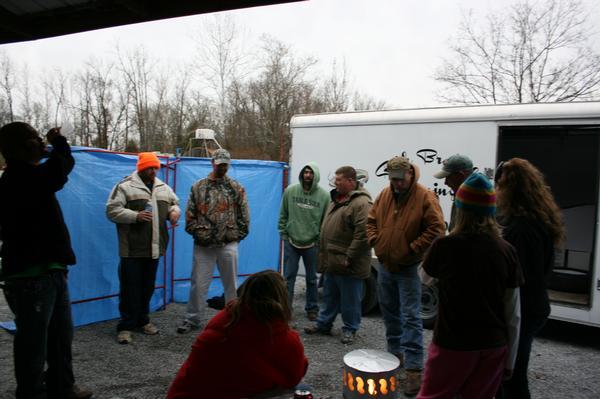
(23,20)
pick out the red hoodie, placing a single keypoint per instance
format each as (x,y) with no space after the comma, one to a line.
(244,361)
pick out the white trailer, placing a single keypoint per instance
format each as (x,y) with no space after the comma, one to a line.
(561,139)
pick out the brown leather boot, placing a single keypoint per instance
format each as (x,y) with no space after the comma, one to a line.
(413,382)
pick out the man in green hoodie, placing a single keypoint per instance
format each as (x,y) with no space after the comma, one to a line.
(302,209)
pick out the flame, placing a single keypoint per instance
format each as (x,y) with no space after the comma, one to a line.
(383,386)
(350,382)
(360,385)
(372,385)
(393,383)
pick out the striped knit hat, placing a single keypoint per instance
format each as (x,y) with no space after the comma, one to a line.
(476,195)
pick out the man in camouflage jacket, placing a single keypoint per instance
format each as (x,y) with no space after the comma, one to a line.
(218,218)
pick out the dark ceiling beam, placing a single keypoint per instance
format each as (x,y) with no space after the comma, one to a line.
(98,14)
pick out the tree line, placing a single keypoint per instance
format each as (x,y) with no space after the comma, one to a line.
(530,51)
(134,102)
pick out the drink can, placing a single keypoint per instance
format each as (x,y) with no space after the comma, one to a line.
(302,394)
(148,206)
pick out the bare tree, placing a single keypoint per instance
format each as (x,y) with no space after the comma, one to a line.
(137,67)
(336,92)
(281,89)
(533,52)
(7,85)
(219,57)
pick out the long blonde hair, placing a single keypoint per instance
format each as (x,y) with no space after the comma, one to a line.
(473,223)
(523,192)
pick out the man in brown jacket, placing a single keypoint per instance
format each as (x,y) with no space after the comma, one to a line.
(344,255)
(402,224)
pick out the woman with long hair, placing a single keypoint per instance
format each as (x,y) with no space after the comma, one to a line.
(478,274)
(246,349)
(532,223)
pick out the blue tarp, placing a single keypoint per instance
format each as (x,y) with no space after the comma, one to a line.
(93,281)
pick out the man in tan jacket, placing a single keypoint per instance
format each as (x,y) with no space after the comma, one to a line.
(402,224)
(344,255)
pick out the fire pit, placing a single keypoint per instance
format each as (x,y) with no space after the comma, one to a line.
(370,373)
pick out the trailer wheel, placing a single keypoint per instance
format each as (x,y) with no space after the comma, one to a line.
(370,300)
(569,280)
(429,305)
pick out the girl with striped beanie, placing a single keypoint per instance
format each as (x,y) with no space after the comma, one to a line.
(478,275)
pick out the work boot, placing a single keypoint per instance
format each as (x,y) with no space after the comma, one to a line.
(413,382)
(79,393)
(312,315)
(315,329)
(150,329)
(186,327)
(347,337)
(124,337)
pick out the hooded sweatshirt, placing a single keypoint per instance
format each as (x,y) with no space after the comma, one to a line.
(302,211)
(401,228)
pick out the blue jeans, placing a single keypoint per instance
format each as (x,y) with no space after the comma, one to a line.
(42,312)
(137,277)
(341,294)
(291,259)
(400,303)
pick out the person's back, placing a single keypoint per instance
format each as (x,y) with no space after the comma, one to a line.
(31,222)
(247,348)
(36,252)
(473,273)
(240,362)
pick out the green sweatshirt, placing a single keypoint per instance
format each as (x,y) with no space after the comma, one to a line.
(302,212)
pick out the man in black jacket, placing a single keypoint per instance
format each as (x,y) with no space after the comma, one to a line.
(35,254)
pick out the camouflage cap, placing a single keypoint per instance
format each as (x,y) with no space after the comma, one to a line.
(397,167)
(221,156)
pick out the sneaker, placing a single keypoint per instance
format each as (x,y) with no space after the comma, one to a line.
(186,327)
(124,337)
(347,337)
(150,329)
(315,329)
(413,382)
(79,393)
(312,315)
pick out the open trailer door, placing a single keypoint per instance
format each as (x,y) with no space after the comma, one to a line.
(568,155)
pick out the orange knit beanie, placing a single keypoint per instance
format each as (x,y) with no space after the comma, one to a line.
(147,160)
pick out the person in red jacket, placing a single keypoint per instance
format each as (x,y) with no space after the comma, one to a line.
(246,349)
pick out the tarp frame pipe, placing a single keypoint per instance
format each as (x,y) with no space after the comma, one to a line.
(172,165)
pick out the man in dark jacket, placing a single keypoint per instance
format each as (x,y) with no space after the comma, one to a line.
(344,255)
(35,254)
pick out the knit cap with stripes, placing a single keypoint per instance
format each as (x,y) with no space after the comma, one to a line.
(476,195)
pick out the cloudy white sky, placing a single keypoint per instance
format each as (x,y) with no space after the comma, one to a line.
(391,47)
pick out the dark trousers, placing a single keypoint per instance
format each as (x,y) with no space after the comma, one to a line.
(518,386)
(42,312)
(137,277)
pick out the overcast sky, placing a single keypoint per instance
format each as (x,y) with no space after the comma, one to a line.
(390,47)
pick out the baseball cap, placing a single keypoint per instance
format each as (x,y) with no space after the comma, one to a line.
(221,156)
(455,163)
(397,167)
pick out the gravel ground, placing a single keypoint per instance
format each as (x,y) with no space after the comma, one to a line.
(564,361)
